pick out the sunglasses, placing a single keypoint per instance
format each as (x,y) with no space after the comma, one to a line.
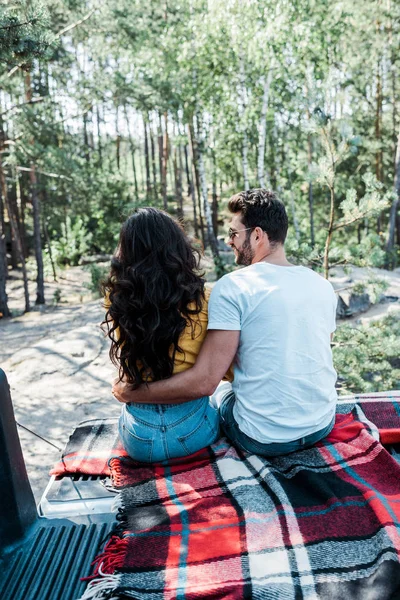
(232,233)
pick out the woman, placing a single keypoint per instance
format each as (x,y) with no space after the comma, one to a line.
(156,321)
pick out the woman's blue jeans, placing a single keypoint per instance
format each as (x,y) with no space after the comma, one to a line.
(157,432)
(248,444)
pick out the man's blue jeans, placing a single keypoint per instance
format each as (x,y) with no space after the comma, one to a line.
(248,444)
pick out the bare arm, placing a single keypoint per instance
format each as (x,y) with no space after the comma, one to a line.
(216,355)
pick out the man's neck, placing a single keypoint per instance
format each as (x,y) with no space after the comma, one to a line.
(273,257)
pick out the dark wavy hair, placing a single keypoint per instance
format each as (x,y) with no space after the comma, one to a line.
(153,291)
(261,208)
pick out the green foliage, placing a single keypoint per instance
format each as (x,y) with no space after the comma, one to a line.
(98,274)
(370,204)
(24,32)
(73,242)
(366,357)
(57,296)
(374,286)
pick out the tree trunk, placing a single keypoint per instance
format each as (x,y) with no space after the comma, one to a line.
(214,204)
(14,249)
(395,205)
(118,139)
(46,232)
(99,142)
(36,211)
(262,131)
(212,240)
(330,233)
(294,216)
(160,146)
(194,153)
(86,139)
(164,163)
(242,121)
(153,161)
(191,192)
(378,134)
(178,182)
(15,234)
(4,310)
(147,158)
(310,194)
(132,147)
(21,213)
(37,237)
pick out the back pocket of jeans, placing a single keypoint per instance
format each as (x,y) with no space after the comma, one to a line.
(203,435)
(137,447)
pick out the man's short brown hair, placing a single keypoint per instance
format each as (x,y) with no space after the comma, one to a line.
(261,208)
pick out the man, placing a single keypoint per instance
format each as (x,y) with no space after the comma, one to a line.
(276,320)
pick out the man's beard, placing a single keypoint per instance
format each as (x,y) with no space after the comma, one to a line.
(245,255)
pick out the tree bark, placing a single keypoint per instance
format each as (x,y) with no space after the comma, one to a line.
(164,163)
(146,158)
(99,142)
(132,147)
(395,205)
(4,310)
(37,237)
(330,233)
(153,161)
(310,194)
(378,133)
(178,181)
(46,233)
(214,204)
(15,233)
(212,240)
(242,120)
(262,130)
(196,178)
(160,146)
(86,139)
(191,193)
(36,211)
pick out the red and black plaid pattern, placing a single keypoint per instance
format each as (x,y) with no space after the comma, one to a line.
(320,523)
(90,448)
(95,442)
(382,409)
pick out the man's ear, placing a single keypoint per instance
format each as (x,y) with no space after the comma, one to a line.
(259,233)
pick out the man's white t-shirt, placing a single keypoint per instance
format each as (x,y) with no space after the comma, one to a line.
(284,380)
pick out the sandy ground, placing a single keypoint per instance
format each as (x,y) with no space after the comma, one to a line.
(56,360)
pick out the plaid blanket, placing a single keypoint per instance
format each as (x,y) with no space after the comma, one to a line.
(322,523)
(382,409)
(90,448)
(95,442)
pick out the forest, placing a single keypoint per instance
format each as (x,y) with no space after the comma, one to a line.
(178,104)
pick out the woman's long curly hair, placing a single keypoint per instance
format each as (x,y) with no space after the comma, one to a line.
(153,291)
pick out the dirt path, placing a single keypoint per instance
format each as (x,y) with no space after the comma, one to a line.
(57,364)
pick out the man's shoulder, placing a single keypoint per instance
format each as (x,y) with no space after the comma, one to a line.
(231,280)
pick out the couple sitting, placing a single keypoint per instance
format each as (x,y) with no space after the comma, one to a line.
(173,342)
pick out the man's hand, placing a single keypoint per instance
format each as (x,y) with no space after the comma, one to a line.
(122,391)
(215,356)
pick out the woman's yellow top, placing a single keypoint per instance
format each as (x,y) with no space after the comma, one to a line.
(192,338)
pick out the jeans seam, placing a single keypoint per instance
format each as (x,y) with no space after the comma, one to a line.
(172,425)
